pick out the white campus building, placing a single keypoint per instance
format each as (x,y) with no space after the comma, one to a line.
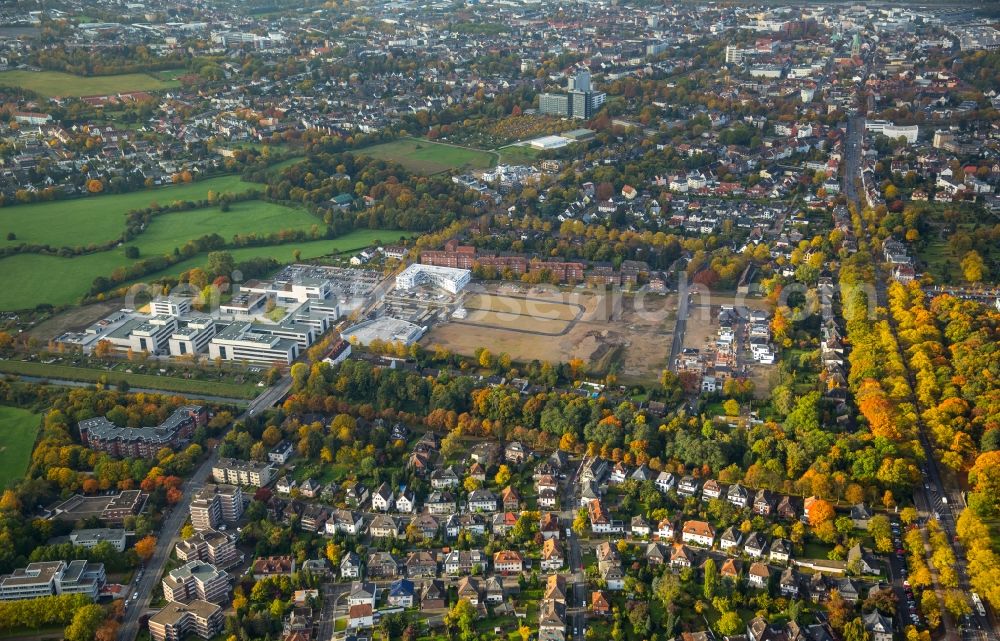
(893,131)
(450,279)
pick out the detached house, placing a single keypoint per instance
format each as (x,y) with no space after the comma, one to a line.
(508,562)
(711,490)
(730,539)
(482,501)
(421,564)
(698,533)
(759,575)
(553,557)
(738,495)
(511,499)
(350,566)
(764,503)
(382,499)
(688,486)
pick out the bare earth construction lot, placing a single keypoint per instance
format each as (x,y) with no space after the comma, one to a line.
(626,334)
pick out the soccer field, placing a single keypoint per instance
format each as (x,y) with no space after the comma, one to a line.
(57,83)
(18,429)
(426,157)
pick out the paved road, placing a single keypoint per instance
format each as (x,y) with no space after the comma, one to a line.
(174,520)
(934,499)
(683,304)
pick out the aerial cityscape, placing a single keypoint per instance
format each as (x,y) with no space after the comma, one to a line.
(379,320)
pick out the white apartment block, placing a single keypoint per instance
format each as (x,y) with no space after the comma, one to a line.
(196,580)
(236,472)
(176,620)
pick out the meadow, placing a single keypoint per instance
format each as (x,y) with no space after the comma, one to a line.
(18,429)
(57,83)
(32,279)
(426,157)
(98,219)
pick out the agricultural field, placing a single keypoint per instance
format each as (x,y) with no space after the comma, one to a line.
(426,157)
(98,219)
(57,83)
(34,279)
(18,429)
(628,335)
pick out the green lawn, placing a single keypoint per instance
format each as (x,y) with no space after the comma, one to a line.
(34,279)
(426,157)
(172,230)
(149,381)
(18,429)
(518,155)
(98,219)
(57,83)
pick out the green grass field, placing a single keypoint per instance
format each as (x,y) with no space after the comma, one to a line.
(33,279)
(18,429)
(57,83)
(518,155)
(146,381)
(98,219)
(426,157)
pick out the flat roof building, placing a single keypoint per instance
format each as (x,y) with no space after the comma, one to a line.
(450,279)
(52,578)
(242,341)
(210,546)
(114,508)
(215,504)
(237,472)
(177,620)
(91,537)
(196,580)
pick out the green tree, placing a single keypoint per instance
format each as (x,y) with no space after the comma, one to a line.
(85,622)
(711,579)
(729,624)
(462,616)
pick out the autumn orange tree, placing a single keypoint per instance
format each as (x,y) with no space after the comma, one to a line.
(145,547)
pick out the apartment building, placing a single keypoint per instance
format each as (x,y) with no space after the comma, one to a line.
(237,472)
(209,546)
(196,580)
(177,620)
(102,435)
(215,504)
